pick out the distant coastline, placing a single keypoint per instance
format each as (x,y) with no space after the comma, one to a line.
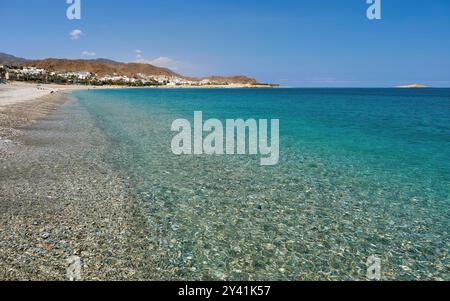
(104,72)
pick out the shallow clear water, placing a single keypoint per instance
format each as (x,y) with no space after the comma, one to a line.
(362,172)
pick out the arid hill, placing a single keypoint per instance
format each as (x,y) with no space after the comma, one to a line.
(240,79)
(7,59)
(103,67)
(100,67)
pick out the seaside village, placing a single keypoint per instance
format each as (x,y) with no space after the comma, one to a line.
(37,75)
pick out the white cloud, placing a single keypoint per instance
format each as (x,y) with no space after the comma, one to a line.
(88,53)
(163,62)
(75,34)
(138,54)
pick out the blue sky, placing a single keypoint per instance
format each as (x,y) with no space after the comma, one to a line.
(312,43)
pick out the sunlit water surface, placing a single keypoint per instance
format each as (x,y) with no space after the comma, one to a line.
(362,172)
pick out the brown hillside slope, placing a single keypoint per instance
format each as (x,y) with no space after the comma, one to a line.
(99,67)
(103,67)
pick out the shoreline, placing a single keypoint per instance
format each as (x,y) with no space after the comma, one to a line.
(17,115)
(17,92)
(23,103)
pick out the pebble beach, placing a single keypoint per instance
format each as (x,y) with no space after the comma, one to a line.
(59,198)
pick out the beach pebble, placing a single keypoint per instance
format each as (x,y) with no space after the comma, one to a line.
(4,142)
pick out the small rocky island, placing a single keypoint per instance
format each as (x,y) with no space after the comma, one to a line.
(413,86)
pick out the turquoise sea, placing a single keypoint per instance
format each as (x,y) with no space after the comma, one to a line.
(362,172)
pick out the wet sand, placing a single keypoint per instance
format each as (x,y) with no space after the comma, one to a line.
(59,197)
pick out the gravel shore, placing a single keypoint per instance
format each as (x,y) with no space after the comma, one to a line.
(20,114)
(60,198)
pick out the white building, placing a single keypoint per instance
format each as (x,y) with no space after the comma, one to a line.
(204,82)
(117,78)
(78,75)
(32,71)
(84,75)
